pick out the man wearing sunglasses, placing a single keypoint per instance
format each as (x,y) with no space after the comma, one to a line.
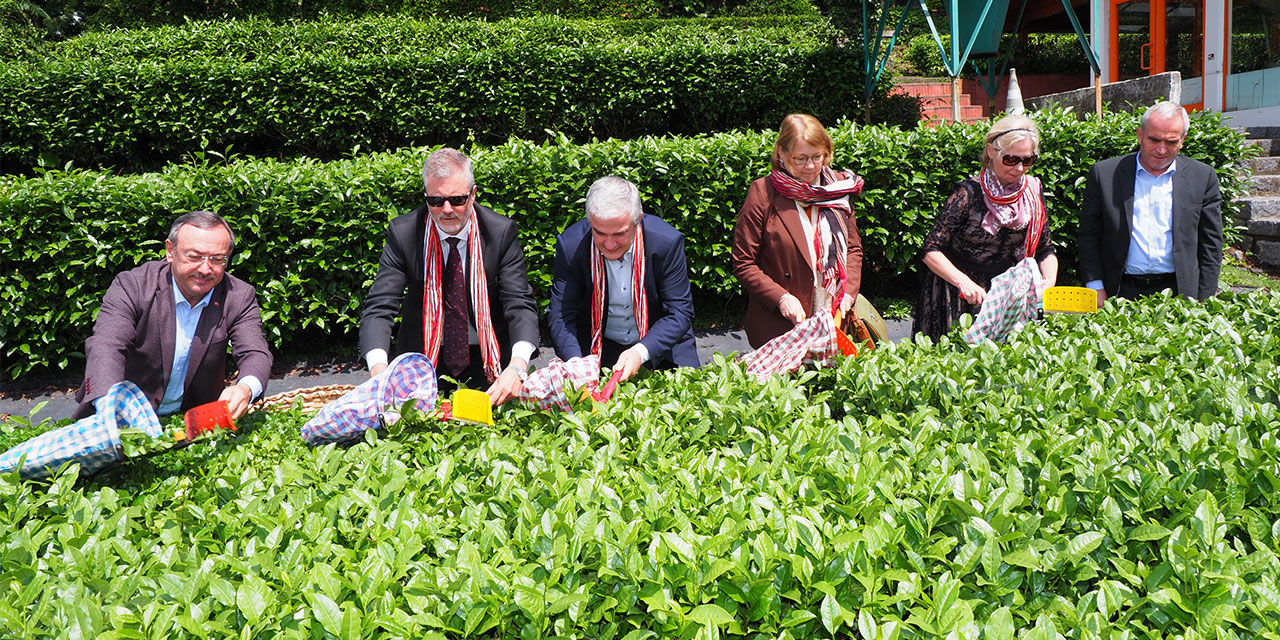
(1152,220)
(453,273)
(165,326)
(621,286)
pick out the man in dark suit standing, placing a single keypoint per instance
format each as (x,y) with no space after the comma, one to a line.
(453,272)
(1152,220)
(621,286)
(165,326)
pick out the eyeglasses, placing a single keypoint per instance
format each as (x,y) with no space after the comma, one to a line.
(816,158)
(216,261)
(457,201)
(1011,160)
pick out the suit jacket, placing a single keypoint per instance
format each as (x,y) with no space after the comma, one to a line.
(1107,218)
(397,289)
(771,258)
(133,339)
(666,283)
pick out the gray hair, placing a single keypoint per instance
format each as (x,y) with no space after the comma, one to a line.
(1008,131)
(1167,110)
(201,220)
(611,197)
(445,162)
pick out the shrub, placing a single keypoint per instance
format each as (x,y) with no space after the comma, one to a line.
(114,14)
(1101,476)
(382,36)
(311,232)
(139,114)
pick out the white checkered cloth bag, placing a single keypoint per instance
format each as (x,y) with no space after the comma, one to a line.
(94,441)
(813,340)
(409,377)
(1012,302)
(545,387)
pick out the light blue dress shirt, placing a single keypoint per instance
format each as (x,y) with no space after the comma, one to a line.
(187,318)
(1151,234)
(621,324)
(1151,237)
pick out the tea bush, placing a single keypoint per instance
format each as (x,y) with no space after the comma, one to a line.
(1102,476)
(311,232)
(165,97)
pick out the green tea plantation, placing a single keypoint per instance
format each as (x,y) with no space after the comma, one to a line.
(1107,476)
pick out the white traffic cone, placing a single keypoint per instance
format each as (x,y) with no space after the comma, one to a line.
(1013,99)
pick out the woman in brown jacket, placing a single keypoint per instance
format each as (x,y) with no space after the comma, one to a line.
(796,248)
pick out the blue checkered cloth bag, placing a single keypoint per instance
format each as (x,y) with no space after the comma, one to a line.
(94,442)
(409,377)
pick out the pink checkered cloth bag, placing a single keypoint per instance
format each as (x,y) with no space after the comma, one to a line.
(1012,302)
(545,387)
(813,340)
(409,377)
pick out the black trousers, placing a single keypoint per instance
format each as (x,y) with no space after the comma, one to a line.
(472,376)
(610,350)
(1132,287)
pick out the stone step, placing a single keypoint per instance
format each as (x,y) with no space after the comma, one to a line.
(1265,166)
(1269,146)
(1256,208)
(1268,227)
(1264,185)
(1255,133)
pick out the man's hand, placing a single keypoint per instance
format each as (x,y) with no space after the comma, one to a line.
(629,362)
(790,309)
(377,368)
(1102,297)
(506,387)
(972,293)
(237,397)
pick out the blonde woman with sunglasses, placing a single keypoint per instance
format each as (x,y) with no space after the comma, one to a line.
(990,222)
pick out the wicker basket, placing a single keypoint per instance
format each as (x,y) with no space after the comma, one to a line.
(313,398)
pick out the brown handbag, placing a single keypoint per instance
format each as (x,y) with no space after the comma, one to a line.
(864,325)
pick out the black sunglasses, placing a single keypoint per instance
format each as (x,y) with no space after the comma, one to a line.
(457,201)
(1011,160)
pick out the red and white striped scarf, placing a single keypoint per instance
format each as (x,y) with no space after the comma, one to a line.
(639,297)
(830,238)
(433,307)
(1013,207)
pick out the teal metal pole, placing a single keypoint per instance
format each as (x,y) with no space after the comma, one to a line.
(1084,40)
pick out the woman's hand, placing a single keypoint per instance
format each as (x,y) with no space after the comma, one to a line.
(846,303)
(971,292)
(790,309)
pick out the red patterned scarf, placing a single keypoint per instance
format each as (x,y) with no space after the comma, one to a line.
(639,297)
(830,238)
(433,307)
(1013,207)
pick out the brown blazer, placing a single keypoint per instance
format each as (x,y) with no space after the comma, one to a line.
(135,331)
(770,259)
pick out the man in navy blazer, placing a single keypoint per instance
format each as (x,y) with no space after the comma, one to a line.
(1152,220)
(615,225)
(165,325)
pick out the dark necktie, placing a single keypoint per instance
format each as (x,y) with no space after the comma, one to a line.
(455,352)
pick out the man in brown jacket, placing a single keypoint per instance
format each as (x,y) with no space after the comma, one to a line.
(165,326)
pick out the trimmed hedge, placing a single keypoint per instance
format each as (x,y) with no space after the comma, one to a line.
(310,232)
(381,36)
(141,114)
(143,13)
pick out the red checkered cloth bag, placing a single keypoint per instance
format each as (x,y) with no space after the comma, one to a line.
(1012,302)
(545,387)
(813,340)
